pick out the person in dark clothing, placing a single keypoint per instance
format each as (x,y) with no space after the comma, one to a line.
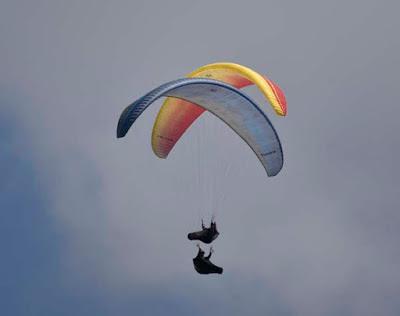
(206,235)
(203,265)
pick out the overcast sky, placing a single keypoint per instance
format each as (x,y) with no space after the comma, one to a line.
(92,225)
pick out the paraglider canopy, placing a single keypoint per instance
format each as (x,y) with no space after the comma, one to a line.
(176,116)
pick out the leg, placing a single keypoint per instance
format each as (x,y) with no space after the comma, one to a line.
(210,253)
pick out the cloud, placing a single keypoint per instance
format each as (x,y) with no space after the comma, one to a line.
(318,239)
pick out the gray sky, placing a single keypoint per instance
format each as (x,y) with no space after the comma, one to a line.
(95,225)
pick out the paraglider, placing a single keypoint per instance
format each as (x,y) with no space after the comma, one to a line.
(203,265)
(207,234)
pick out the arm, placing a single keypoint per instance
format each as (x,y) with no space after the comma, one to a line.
(214,227)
